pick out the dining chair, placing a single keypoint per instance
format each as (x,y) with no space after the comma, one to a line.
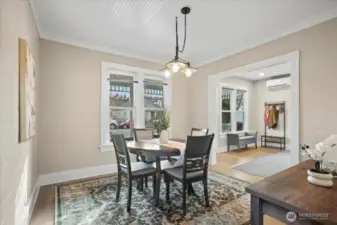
(135,170)
(194,132)
(145,134)
(199,132)
(195,167)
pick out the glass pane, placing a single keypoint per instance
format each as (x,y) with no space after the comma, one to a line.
(153,94)
(226,121)
(121,90)
(121,122)
(150,117)
(240,99)
(240,119)
(226,99)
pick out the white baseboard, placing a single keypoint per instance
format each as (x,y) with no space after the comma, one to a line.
(32,201)
(69,175)
(28,208)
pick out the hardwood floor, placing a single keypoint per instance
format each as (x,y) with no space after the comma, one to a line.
(44,211)
(227,159)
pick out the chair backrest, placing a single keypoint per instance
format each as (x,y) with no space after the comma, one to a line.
(197,153)
(122,153)
(143,134)
(198,132)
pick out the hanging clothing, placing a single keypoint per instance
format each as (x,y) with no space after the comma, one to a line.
(273,117)
(266,115)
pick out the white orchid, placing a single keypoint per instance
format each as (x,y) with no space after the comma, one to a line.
(314,154)
(331,141)
(317,153)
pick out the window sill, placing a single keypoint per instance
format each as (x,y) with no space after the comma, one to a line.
(109,147)
(106,147)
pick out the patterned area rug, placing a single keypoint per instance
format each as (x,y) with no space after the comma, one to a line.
(92,202)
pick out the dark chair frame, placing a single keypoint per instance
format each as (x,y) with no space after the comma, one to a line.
(200,130)
(142,158)
(123,160)
(194,161)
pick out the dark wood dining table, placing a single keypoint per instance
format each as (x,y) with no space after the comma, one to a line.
(148,149)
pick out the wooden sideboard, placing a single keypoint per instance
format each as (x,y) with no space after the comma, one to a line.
(289,190)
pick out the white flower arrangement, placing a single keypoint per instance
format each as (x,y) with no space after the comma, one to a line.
(317,153)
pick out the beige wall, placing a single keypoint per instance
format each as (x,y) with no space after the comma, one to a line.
(260,95)
(318,79)
(70,98)
(18,167)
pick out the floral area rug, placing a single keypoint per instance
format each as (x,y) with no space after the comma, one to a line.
(93,202)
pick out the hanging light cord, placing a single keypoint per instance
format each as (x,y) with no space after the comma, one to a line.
(182,50)
(177,39)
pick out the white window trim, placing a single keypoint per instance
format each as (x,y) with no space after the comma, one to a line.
(233,111)
(138,74)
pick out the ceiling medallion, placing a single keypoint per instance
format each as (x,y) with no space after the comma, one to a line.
(177,64)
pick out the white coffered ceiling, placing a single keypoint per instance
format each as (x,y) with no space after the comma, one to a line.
(145,28)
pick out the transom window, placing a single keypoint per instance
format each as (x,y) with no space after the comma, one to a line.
(130,97)
(232,110)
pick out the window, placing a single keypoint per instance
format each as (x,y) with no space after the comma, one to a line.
(232,114)
(130,97)
(240,112)
(153,101)
(226,110)
(121,105)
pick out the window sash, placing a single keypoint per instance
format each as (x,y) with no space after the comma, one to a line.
(233,108)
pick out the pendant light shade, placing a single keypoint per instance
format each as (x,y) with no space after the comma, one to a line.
(188,71)
(177,64)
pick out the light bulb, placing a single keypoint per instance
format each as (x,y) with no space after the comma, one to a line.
(175,67)
(188,72)
(167,74)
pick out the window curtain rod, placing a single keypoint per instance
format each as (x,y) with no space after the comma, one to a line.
(123,81)
(135,81)
(154,82)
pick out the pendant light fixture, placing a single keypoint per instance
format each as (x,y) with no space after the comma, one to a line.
(177,64)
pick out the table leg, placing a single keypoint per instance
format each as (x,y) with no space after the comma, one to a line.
(256,215)
(158,176)
(190,189)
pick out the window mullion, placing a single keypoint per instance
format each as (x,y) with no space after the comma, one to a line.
(233,110)
(139,101)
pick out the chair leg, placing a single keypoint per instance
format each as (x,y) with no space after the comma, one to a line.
(145,181)
(190,189)
(228,148)
(154,185)
(142,183)
(129,195)
(184,197)
(256,145)
(167,181)
(118,186)
(206,191)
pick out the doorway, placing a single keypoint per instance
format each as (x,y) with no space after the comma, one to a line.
(241,120)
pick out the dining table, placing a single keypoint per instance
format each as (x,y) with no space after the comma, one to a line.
(153,148)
